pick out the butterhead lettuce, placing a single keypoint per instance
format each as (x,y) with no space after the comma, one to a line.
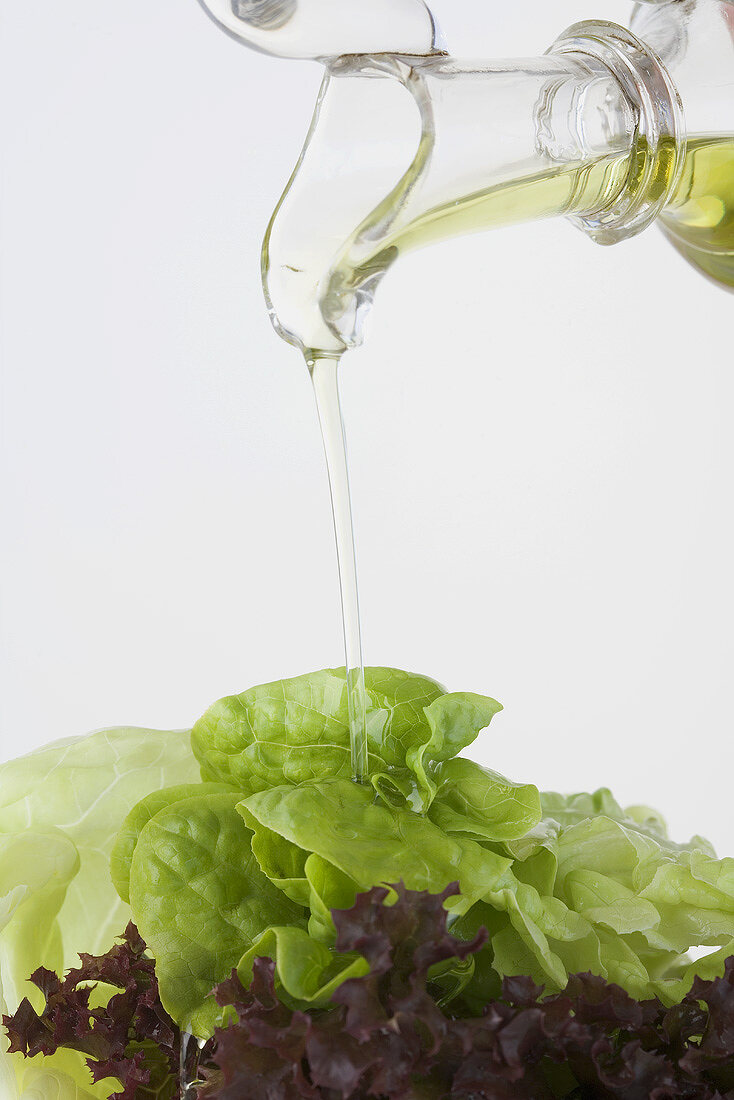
(240,840)
(562,883)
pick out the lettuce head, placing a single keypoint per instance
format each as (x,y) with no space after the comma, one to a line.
(238,839)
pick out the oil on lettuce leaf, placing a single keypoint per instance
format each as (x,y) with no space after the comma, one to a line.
(293,731)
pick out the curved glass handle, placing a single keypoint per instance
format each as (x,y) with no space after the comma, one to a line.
(320,29)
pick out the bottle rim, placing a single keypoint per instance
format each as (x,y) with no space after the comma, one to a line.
(658,142)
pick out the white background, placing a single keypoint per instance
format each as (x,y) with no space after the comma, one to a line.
(540,430)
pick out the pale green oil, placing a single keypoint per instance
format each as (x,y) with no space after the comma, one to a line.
(568,189)
(700,220)
(324,376)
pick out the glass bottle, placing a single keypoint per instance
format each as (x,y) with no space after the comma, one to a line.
(613,128)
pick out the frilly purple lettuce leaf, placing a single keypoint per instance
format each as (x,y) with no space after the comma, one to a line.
(130,1038)
(386,1037)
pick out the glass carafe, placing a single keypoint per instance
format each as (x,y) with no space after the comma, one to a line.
(613,128)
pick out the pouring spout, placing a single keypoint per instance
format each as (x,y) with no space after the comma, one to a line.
(406,151)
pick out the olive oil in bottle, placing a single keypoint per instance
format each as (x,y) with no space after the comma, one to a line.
(700,220)
(574,189)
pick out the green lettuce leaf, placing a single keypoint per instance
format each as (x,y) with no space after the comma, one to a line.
(85,787)
(324,843)
(36,868)
(200,900)
(329,888)
(454,722)
(65,1076)
(308,972)
(294,731)
(10,903)
(60,810)
(127,839)
(372,844)
(584,884)
(478,803)
(646,899)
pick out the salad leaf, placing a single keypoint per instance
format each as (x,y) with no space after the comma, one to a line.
(324,842)
(454,722)
(295,731)
(646,899)
(476,802)
(252,853)
(386,1033)
(43,1079)
(130,1045)
(85,787)
(46,1082)
(36,868)
(200,899)
(384,1026)
(10,903)
(60,810)
(128,836)
(370,843)
(307,971)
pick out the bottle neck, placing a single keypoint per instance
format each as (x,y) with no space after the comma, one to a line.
(657,133)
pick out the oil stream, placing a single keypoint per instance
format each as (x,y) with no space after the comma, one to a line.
(324,375)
